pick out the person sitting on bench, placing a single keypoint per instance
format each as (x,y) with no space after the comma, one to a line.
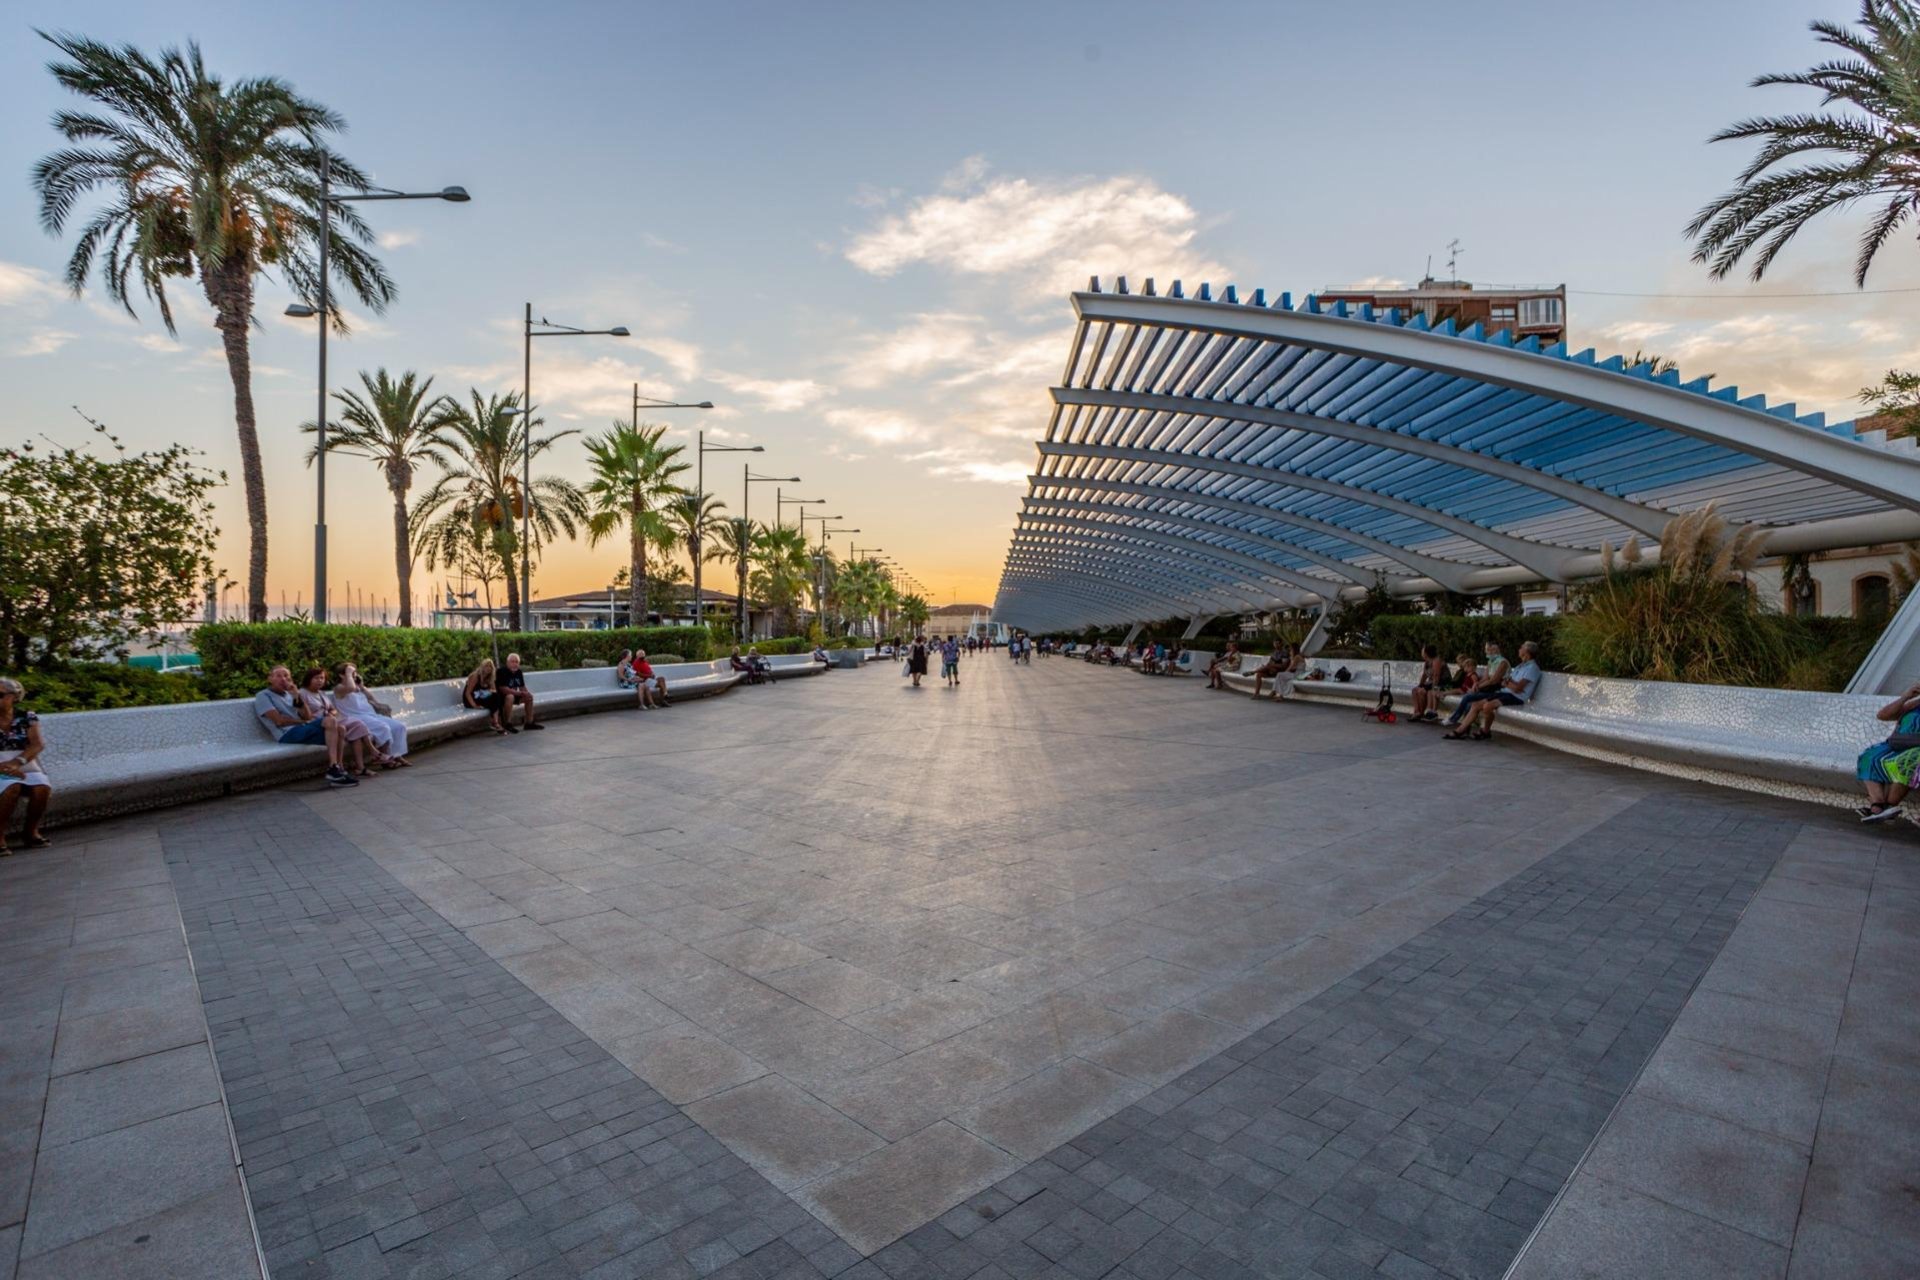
(1282,667)
(1486,686)
(651,687)
(1432,684)
(1223,663)
(1514,689)
(512,684)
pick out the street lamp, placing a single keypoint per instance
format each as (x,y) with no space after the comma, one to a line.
(546,329)
(780,505)
(746,495)
(304,311)
(700,484)
(820,596)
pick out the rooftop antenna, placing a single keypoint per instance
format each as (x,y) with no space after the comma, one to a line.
(1453,259)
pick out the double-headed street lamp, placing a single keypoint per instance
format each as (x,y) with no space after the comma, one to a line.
(820,597)
(699,490)
(542,328)
(746,526)
(780,505)
(303,311)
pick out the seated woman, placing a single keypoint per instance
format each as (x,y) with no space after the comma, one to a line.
(623,671)
(482,694)
(652,687)
(313,695)
(1281,667)
(1888,769)
(762,669)
(1222,663)
(389,735)
(820,655)
(1515,688)
(1432,684)
(1150,659)
(20,773)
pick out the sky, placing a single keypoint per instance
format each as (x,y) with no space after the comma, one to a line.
(854,227)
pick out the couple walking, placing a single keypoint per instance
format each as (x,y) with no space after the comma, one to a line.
(949,660)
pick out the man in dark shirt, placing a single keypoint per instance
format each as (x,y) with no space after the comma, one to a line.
(512,686)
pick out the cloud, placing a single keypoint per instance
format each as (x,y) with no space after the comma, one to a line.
(880,425)
(661,243)
(398,239)
(20,285)
(1052,234)
(1373,282)
(926,342)
(778,395)
(42,342)
(681,356)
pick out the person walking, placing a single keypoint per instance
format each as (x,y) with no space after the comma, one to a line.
(917,660)
(950,662)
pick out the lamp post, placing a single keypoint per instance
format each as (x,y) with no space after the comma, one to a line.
(820,597)
(700,484)
(781,504)
(542,328)
(303,311)
(699,507)
(746,495)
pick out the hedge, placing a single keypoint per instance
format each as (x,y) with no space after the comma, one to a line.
(86,686)
(236,656)
(1399,636)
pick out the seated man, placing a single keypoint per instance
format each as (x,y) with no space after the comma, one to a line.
(1282,667)
(1222,663)
(287,720)
(820,655)
(1514,690)
(652,687)
(742,666)
(1150,659)
(762,669)
(512,687)
(1487,685)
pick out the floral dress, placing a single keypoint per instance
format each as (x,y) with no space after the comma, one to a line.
(13,744)
(1881,762)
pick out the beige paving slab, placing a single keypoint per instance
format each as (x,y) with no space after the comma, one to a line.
(877,1200)
(1039,1113)
(783,1131)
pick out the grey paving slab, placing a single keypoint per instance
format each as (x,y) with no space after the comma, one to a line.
(1601,1231)
(1204,1022)
(207,1236)
(86,1104)
(85,1187)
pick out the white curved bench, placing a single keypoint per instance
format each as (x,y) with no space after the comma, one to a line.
(1784,742)
(794,664)
(129,758)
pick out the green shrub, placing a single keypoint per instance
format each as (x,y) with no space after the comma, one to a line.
(787,644)
(98,686)
(1399,637)
(236,656)
(1656,624)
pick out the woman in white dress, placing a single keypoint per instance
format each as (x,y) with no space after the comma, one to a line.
(387,733)
(313,695)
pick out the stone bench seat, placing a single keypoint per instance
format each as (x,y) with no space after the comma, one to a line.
(129,758)
(1786,742)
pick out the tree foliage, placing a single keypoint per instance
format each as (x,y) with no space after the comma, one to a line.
(1898,396)
(99,551)
(1863,145)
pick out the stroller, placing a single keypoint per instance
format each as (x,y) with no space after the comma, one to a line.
(1382,710)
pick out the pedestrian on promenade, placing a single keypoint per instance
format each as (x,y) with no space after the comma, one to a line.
(917,660)
(950,662)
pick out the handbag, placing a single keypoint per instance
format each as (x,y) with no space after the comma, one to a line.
(379,708)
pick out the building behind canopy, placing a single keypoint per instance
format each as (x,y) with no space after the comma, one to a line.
(1210,455)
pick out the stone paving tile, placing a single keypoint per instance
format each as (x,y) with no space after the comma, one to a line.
(1437,1029)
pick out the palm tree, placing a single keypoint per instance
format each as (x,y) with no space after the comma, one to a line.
(697,523)
(914,611)
(480,490)
(857,591)
(733,544)
(206,180)
(633,481)
(396,425)
(1869,149)
(782,570)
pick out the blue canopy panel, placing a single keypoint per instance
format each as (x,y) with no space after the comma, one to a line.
(1200,441)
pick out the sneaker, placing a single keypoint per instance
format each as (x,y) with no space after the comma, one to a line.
(338,777)
(1887,814)
(511,729)
(1863,810)
(535,726)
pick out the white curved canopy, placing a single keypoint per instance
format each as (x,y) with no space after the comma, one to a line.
(1205,451)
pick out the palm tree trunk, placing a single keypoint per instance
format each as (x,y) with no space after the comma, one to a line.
(229,289)
(637,570)
(504,547)
(402,548)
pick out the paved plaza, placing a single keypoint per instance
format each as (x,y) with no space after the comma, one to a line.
(1066,972)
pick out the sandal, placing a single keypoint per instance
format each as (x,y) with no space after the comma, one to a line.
(36,841)
(1480,735)
(1456,736)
